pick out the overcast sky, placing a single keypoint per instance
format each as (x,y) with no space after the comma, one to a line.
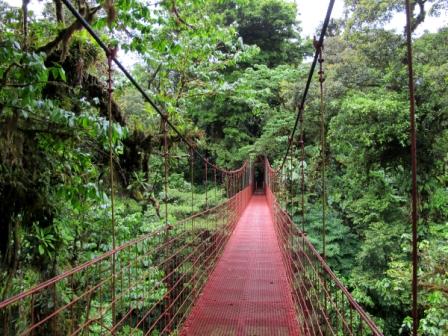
(311,13)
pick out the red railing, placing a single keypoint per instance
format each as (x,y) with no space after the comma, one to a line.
(324,305)
(156,279)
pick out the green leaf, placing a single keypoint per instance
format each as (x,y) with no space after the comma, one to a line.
(62,74)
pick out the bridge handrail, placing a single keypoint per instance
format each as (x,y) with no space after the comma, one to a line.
(292,230)
(295,231)
(104,256)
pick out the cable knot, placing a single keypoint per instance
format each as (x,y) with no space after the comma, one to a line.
(321,77)
(317,44)
(111,53)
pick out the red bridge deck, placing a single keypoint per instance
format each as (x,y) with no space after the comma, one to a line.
(248,293)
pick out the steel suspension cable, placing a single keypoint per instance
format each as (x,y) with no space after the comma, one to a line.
(192,185)
(167,227)
(110,54)
(206,184)
(302,177)
(413,136)
(133,81)
(290,189)
(319,48)
(216,185)
(322,149)
(310,76)
(165,166)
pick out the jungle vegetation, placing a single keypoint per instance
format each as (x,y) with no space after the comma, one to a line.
(229,75)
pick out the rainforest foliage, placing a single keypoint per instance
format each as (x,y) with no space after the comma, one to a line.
(229,75)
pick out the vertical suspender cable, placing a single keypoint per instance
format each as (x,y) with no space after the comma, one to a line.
(291,227)
(413,136)
(192,186)
(110,56)
(301,105)
(291,188)
(206,184)
(165,164)
(302,178)
(216,184)
(167,228)
(322,151)
(319,49)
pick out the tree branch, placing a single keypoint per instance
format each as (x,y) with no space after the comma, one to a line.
(65,34)
(429,286)
(177,16)
(21,85)
(420,16)
(59,11)
(154,75)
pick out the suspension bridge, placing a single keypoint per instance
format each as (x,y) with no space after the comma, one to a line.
(242,267)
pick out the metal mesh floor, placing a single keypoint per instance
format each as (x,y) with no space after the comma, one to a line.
(247,293)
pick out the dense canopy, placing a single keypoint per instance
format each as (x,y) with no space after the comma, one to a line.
(228,75)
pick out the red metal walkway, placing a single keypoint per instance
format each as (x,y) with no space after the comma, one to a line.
(247,293)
